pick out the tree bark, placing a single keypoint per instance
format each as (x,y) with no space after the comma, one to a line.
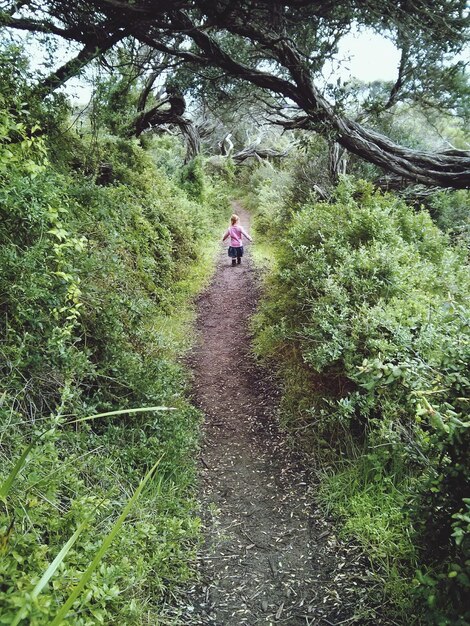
(443,169)
(172,116)
(253,151)
(336,161)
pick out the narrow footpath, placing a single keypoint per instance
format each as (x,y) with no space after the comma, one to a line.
(269,556)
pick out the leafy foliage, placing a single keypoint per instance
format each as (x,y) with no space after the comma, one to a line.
(367,310)
(95,283)
(451,211)
(192,179)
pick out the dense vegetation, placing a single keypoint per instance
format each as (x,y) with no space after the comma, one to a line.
(95,283)
(104,221)
(274,56)
(366,314)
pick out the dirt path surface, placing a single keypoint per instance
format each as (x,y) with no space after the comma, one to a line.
(268,556)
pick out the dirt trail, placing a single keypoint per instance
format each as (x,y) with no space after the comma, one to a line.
(268,556)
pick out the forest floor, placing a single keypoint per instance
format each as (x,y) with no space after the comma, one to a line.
(269,555)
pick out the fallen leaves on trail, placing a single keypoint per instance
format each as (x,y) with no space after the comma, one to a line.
(270,556)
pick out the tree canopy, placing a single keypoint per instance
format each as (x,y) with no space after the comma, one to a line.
(280,48)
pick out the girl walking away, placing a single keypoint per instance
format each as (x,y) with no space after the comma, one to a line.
(236,232)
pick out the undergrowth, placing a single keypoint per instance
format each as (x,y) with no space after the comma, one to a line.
(365,314)
(96,281)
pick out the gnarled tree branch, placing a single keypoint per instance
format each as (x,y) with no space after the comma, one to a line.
(428,168)
(288,73)
(173,116)
(93,49)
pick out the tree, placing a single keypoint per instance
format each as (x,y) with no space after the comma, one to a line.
(281,47)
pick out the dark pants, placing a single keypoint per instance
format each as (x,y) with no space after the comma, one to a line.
(235,253)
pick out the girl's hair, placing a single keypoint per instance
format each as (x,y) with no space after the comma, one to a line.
(234,219)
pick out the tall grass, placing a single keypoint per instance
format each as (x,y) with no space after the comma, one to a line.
(373,506)
(85,578)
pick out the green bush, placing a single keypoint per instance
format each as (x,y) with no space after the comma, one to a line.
(192,179)
(95,281)
(368,303)
(451,212)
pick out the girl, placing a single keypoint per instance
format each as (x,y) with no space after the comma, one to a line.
(236,232)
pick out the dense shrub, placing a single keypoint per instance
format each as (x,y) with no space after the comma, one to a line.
(367,312)
(192,179)
(451,211)
(94,283)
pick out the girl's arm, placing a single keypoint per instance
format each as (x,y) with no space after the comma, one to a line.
(246,235)
(227,233)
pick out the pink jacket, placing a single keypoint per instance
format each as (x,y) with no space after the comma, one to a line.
(236,234)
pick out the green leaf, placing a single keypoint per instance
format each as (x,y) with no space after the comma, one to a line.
(50,571)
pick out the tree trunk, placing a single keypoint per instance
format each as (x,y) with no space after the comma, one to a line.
(174,117)
(336,161)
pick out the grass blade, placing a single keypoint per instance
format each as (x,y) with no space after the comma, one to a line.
(7,483)
(104,546)
(121,412)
